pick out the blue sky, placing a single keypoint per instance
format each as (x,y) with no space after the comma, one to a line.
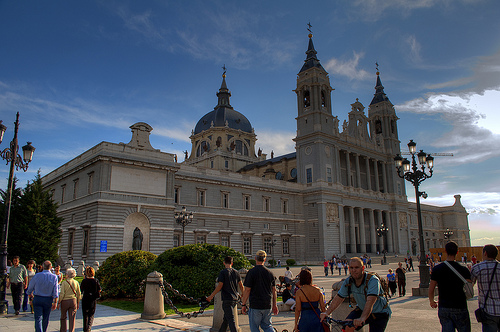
(82,72)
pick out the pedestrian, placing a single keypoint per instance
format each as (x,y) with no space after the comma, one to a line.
(229,281)
(372,307)
(69,300)
(260,289)
(410,262)
(473,259)
(391,281)
(332,265)
(487,276)
(339,267)
(30,269)
(310,303)
(401,276)
(44,289)
(288,297)
(346,267)
(91,290)
(18,282)
(452,303)
(288,275)
(325,267)
(279,262)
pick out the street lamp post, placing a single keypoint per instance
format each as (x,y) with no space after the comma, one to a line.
(11,156)
(382,232)
(272,244)
(183,218)
(416,174)
(447,234)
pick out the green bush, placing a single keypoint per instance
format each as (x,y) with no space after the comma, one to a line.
(121,274)
(192,269)
(272,262)
(252,261)
(290,262)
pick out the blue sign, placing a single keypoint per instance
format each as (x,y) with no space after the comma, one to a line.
(104,246)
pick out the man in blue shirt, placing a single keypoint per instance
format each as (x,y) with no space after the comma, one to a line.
(372,307)
(44,290)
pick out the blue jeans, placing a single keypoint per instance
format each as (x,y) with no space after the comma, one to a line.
(453,318)
(491,324)
(260,317)
(42,306)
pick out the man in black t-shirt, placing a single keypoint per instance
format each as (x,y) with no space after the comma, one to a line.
(260,288)
(452,305)
(228,282)
(400,273)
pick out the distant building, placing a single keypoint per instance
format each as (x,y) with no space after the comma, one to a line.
(326,198)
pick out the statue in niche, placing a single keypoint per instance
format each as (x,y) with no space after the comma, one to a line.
(259,153)
(344,125)
(336,124)
(137,240)
(232,146)
(186,155)
(218,143)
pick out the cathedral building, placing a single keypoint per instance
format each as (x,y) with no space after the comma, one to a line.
(326,198)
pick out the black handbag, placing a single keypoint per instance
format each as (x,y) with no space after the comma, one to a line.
(480,313)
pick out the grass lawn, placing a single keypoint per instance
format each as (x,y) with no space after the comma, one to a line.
(138,306)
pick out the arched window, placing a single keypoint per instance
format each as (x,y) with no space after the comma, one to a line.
(323,99)
(307,98)
(202,148)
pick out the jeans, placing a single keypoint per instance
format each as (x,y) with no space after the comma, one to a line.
(377,322)
(491,324)
(228,308)
(260,317)
(25,300)
(453,318)
(42,306)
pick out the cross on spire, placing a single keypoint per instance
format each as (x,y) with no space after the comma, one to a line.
(309,26)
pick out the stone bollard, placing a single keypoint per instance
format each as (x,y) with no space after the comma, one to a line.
(153,299)
(81,269)
(96,266)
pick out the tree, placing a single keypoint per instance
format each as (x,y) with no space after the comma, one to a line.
(34,227)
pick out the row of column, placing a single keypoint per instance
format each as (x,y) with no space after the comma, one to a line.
(357,156)
(375,219)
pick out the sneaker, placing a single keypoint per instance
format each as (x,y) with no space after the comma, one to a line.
(17,312)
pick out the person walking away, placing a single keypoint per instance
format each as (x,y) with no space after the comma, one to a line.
(372,307)
(487,276)
(44,289)
(410,262)
(391,281)
(401,276)
(325,267)
(339,267)
(288,297)
(229,281)
(346,267)
(31,273)
(310,303)
(91,290)
(452,303)
(18,281)
(332,265)
(69,300)
(260,288)
(288,276)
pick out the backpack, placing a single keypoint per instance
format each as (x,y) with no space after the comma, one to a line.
(385,292)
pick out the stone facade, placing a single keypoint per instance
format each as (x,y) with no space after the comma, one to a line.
(328,197)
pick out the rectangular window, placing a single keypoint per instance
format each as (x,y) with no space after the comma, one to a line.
(201,197)
(225,200)
(89,183)
(63,193)
(177,240)
(267,204)
(211,164)
(266,226)
(200,239)
(309,175)
(72,218)
(226,164)
(267,244)
(86,238)
(247,245)
(246,202)
(285,227)
(284,204)
(75,188)
(329,174)
(176,195)
(286,245)
(224,240)
(71,240)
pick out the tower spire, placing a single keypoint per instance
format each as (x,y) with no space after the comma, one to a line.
(311,60)
(223,94)
(379,95)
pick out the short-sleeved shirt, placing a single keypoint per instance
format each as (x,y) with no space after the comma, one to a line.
(482,273)
(261,282)
(451,294)
(230,279)
(18,274)
(400,273)
(374,288)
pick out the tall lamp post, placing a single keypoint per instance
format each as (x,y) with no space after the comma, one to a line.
(415,173)
(447,234)
(11,156)
(382,232)
(272,244)
(183,218)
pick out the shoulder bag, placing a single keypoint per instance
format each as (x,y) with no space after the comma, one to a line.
(468,286)
(480,313)
(325,325)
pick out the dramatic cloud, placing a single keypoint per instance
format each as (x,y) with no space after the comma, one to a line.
(279,142)
(348,68)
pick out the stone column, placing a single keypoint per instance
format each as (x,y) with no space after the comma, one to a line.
(390,225)
(336,168)
(384,176)
(398,233)
(358,171)
(342,230)
(153,297)
(375,170)
(377,224)
(348,168)
(352,229)
(362,235)
(373,231)
(368,178)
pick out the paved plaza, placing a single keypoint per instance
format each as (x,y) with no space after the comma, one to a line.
(408,312)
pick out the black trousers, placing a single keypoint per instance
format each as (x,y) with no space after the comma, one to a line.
(228,307)
(17,290)
(88,310)
(377,322)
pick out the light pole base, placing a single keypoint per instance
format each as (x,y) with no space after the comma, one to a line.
(4,305)
(423,291)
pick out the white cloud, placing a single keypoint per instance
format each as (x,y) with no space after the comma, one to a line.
(279,142)
(348,68)
(414,49)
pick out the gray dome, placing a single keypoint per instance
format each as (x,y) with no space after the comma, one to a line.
(219,116)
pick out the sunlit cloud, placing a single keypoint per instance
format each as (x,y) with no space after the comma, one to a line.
(279,142)
(348,68)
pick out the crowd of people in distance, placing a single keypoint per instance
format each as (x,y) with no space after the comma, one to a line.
(46,288)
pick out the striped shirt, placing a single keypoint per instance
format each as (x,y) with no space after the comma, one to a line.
(481,273)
